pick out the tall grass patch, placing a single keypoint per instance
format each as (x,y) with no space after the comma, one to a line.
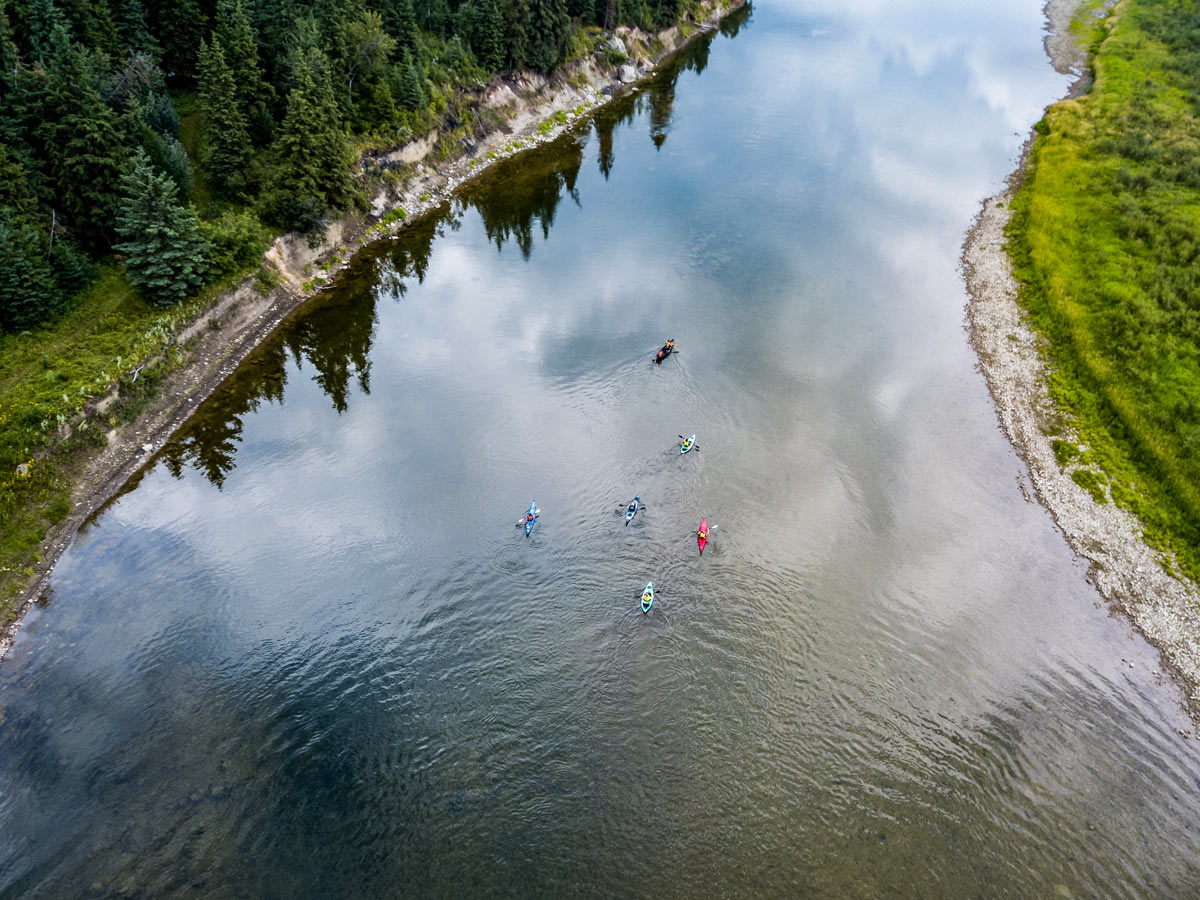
(1105,239)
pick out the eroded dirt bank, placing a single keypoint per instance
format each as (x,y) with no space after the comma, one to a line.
(532,109)
(1124,569)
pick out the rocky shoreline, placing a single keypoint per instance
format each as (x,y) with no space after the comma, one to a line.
(536,109)
(1126,572)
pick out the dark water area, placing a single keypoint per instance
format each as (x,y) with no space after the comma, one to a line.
(307,654)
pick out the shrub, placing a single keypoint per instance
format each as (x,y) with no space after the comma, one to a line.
(237,239)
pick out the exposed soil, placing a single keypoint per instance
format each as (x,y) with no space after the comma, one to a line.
(225,333)
(1127,572)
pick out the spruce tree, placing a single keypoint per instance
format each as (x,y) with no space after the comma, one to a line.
(665,12)
(400,21)
(255,96)
(368,47)
(179,25)
(583,10)
(165,253)
(226,139)
(93,26)
(48,30)
(132,22)
(15,194)
(84,153)
(489,44)
(28,293)
(8,53)
(412,84)
(547,34)
(313,156)
(516,32)
(432,15)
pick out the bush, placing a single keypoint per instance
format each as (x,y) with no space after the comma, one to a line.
(292,212)
(238,240)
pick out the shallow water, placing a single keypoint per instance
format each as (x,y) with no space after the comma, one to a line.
(308,654)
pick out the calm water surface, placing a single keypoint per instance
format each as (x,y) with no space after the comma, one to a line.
(308,655)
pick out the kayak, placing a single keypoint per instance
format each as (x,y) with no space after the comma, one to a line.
(702,534)
(687,444)
(531,517)
(664,351)
(648,597)
(633,508)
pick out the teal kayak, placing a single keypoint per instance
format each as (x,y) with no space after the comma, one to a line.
(648,597)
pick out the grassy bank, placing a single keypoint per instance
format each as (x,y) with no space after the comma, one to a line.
(1105,240)
(48,377)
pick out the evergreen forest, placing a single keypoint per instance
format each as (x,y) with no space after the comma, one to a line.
(175,136)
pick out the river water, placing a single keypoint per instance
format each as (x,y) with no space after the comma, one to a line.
(308,654)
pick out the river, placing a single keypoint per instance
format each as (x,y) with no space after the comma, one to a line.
(308,655)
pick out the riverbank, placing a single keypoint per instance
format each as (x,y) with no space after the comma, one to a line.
(1127,572)
(403,184)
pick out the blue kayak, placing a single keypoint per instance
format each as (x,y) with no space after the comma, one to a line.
(648,597)
(687,444)
(531,517)
(633,508)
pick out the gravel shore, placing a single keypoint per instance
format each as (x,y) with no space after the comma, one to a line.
(1127,573)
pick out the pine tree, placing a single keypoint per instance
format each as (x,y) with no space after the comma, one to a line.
(255,96)
(165,253)
(226,139)
(548,33)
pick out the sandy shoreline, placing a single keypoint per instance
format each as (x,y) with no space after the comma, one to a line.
(1125,571)
(224,334)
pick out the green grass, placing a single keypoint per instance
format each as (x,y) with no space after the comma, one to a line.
(50,375)
(1088,23)
(1105,239)
(46,377)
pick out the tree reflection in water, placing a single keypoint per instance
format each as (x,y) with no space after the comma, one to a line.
(333,334)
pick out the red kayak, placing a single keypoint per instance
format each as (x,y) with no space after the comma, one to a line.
(702,534)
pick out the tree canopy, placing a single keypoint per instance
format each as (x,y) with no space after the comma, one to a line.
(267,95)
